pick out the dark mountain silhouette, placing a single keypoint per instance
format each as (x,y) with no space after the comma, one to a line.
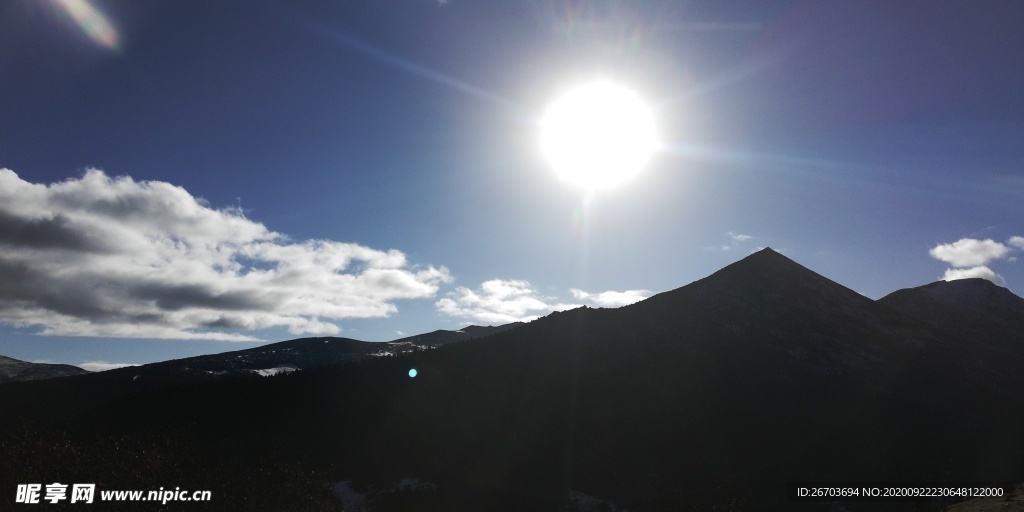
(302,353)
(307,353)
(965,306)
(282,357)
(14,370)
(298,354)
(986,320)
(466,333)
(711,396)
(66,399)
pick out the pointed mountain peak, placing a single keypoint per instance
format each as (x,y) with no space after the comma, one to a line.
(769,277)
(769,256)
(767,261)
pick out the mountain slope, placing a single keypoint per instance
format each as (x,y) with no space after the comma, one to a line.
(265,360)
(466,333)
(986,320)
(305,353)
(14,370)
(964,306)
(765,298)
(285,356)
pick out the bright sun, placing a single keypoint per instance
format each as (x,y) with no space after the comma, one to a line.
(598,135)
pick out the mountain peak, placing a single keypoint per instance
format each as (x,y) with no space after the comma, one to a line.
(962,304)
(962,285)
(765,253)
(764,281)
(963,291)
(768,263)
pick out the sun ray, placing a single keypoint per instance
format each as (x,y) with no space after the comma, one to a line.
(339,36)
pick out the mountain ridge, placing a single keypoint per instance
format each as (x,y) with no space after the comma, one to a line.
(288,355)
(16,370)
(986,322)
(714,394)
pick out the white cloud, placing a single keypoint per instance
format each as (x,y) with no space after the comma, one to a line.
(611,299)
(1016,241)
(99,366)
(499,301)
(101,256)
(969,252)
(735,240)
(983,272)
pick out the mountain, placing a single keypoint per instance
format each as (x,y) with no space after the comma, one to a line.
(305,353)
(286,356)
(13,370)
(768,302)
(466,333)
(986,320)
(964,306)
(263,361)
(715,395)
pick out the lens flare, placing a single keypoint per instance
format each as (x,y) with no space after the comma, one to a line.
(93,22)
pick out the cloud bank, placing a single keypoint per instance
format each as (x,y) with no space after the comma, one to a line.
(611,299)
(102,366)
(736,240)
(113,257)
(983,272)
(972,256)
(499,301)
(968,252)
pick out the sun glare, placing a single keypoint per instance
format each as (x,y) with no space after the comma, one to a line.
(95,25)
(598,135)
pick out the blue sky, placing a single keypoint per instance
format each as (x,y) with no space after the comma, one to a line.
(221,171)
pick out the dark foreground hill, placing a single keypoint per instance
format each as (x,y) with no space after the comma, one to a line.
(65,398)
(711,396)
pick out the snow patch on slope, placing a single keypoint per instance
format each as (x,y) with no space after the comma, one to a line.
(270,372)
